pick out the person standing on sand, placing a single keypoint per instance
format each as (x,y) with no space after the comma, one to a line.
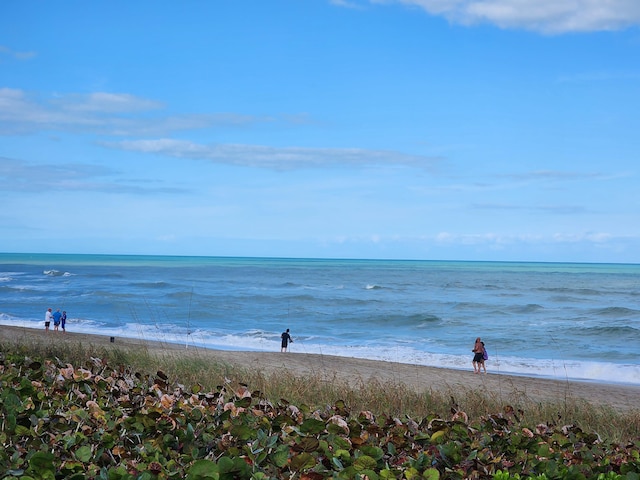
(478,349)
(47,319)
(63,321)
(56,320)
(485,356)
(286,339)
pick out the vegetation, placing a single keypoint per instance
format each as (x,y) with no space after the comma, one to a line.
(68,411)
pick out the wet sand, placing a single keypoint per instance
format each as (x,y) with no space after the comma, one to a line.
(504,387)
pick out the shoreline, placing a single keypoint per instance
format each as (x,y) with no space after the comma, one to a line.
(507,387)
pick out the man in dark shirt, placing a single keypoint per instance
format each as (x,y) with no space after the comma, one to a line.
(286,339)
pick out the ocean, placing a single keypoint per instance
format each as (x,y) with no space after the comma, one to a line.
(555,320)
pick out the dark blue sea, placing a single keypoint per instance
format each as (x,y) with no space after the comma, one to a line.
(558,320)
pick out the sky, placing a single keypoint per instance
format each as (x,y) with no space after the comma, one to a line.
(488,130)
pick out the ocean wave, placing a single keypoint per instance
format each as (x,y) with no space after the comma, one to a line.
(571,291)
(470,306)
(53,273)
(529,308)
(262,340)
(615,312)
(626,332)
(151,285)
(373,287)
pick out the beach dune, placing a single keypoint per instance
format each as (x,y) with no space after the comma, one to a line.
(421,378)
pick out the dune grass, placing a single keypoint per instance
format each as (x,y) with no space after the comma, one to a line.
(316,390)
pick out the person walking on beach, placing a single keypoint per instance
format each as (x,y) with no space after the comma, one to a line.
(56,320)
(485,356)
(63,321)
(47,319)
(286,339)
(478,350)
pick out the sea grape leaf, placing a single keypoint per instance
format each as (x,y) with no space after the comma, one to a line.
(364,462)
(233,468)
(243,402)
(340,442)
(307,444)
(118,473)
(202,469)
(76,476)
(83,454)
(42,463)
(374,452)
(12,402)
(312,426)
(431,474)
(281,456)
(243,432)
(21,430)
(369,474)
(450,451)
(302,462)
(10,422)
(342,454)
(437,436)
(196,415)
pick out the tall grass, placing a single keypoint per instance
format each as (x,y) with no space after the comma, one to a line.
(315,390)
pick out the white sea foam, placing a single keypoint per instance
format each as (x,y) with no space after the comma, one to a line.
(258,340)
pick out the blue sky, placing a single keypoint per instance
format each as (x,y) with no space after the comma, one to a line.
(410,129)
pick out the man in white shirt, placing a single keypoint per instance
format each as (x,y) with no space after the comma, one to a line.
(47,319)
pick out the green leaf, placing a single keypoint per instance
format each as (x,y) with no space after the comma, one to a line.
(84,454)
(22,431)
(431,474)
(202,469)
(281,456)
(42,461)
(303,461)
(307,444)
(312,426)
(365,462)
(374,452)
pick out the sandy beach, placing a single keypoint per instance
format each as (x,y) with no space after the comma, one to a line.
(506,387)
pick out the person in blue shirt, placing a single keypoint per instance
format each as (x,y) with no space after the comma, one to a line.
(56,320)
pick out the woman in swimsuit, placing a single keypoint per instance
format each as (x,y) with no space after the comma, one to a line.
(478,351)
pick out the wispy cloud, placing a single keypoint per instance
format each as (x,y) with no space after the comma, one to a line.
(546,175)
(508,239)
(345,3)
(25,177)
(545,16)
(103,102)
(545,209)
(15,54)
(102,113)
(275,158)
(590,77)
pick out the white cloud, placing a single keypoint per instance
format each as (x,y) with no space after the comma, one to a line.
(101,113)
(344,3)
(509,239)
(17,55)
(276,158)
(106,103)
(29,178)
(546,16)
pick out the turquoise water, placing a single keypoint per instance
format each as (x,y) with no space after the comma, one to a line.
(560,320)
